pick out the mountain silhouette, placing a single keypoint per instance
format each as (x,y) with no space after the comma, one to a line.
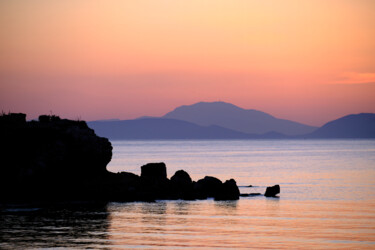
(220,120)
(350,126)
(229,116)
(160,128)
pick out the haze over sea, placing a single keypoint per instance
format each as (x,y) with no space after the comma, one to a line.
(327,200)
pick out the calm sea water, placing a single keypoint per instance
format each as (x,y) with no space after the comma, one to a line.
(327,200)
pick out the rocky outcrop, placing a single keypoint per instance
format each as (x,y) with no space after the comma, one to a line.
(182,186)
(207,187)
(213,187)
(181,179)
(272,191)
(51,159)
(229,191)
(122,186)
(156,171)
(154,186)
(58,159)
(154,182)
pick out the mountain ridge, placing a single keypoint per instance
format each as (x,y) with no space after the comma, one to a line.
(360,125)
(160,128)
(235,118)
(154,128)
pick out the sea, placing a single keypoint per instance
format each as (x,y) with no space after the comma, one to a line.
(327,200)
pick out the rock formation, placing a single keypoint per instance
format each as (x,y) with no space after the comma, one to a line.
(212,187)
(182,186)
(229,191)
(272,191)
(57,159)
(51,158)
(155,186)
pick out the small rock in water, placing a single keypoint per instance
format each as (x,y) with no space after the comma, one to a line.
(254,194)
(272,191)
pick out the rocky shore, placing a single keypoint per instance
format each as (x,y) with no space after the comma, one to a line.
(153,184)
(55,159)
(51,159)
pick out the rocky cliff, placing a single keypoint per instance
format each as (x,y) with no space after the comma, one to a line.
(51,158)
(55,159)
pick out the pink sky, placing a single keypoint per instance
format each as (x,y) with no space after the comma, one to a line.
(308,61)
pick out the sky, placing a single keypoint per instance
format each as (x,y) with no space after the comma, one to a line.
(307,61)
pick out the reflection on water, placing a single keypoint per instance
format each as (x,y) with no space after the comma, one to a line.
(247,223)
(327,201)
(256,223)
(84,227)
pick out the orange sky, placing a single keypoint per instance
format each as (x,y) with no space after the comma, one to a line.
(308,61)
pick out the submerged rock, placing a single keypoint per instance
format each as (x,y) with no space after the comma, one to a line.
(250,195)
(272,191)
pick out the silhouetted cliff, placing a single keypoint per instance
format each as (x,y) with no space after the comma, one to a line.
(51,158)
(56,159)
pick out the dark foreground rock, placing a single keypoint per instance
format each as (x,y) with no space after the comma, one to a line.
(130,187)
(207,187)
(272,191)
(182,186)
(211,187)
(57,159)
(229,191)
(51,159)
(156,171)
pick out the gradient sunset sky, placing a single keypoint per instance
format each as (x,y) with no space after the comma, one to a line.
(307,61)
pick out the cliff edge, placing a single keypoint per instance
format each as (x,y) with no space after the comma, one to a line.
(55,159)
(52,158)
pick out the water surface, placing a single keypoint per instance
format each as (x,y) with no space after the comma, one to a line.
(327,201)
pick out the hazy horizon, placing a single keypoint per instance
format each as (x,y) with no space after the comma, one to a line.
(164,113)
(305,61)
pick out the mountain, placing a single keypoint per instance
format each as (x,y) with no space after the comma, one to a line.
(229,116)
(160,128)
(220,120)
(350,126)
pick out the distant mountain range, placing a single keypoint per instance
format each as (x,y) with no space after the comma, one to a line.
(232,117)
(220,120)
(159,128)
(350,126)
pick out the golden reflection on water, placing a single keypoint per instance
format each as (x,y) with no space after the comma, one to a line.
(248,223)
